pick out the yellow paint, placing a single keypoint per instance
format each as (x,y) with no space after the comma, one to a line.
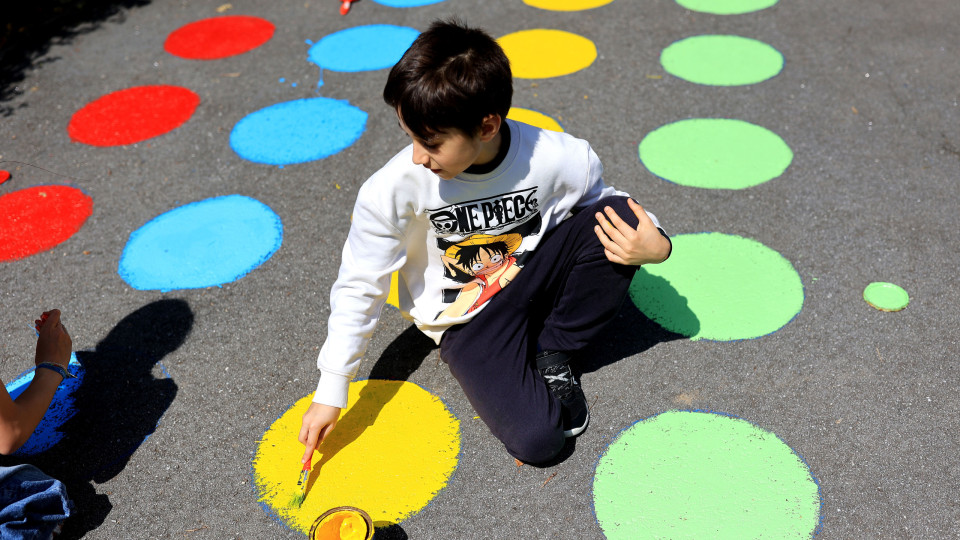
(541,53)
(394,298)
(533,118)
(342,525)
(566,5)
(394,447)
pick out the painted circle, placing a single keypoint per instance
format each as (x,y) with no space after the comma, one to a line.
(218,37)
(132,115)
(38,218)
(719,60)
(719,287)
(685,474)
(726,7)
(394,447)
(886,296)
(363,48)
(4,176)
(715,153)
(298,131)
(566,5)
(542,53)
(534,118)
(406,3)
(201,244)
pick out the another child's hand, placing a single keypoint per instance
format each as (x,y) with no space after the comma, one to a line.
(54,344)
(625,245)
(318,422)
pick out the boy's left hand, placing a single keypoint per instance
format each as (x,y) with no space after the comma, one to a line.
(625,245)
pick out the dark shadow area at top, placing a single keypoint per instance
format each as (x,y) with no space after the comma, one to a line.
(29,28)
(118,405)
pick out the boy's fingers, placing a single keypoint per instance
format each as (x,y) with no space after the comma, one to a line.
(611,228)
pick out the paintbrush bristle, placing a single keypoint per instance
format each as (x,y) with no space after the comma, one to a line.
(297,500)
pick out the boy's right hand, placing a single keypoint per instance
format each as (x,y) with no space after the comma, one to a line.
(318,421)
(54,344)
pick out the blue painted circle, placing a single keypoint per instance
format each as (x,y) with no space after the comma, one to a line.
(363,48)
(298,131)
(406,3)
(201,244)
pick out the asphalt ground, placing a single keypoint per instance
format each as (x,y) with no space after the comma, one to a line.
(867,101)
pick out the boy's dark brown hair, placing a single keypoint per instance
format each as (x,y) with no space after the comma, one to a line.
(452,76)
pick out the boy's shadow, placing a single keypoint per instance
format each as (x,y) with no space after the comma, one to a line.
(631,332)
(118,405)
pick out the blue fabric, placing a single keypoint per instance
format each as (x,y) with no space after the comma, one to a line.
(32,505)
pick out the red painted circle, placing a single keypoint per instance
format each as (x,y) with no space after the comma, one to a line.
(132,115)
(4,176)
(218,37)
(38,218)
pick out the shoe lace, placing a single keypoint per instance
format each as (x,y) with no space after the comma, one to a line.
(560,380)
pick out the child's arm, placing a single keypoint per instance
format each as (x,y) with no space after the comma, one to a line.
(625,245)
(18,418)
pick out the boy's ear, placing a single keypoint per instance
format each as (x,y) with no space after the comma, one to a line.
(490,126)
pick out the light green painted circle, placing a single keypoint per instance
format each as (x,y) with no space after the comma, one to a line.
(886,296)
(686,474)
(715,153)
(726,7)
(719,60)
(720,287)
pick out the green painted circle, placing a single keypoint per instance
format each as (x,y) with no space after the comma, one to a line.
(720,287)
(726,7)
(715,153)
(703,475)
(719,60)
(886,296)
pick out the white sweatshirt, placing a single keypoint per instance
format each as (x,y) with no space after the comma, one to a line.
(448,237)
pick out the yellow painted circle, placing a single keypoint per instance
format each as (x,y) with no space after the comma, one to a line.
(566,5)
(394,447)
(393,298)
(542,53)
(534,118)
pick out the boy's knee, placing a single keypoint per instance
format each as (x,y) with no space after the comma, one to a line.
(537,445)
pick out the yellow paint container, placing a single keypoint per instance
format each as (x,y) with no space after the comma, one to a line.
(342,523)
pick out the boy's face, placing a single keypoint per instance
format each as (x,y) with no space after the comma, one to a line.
(450,152)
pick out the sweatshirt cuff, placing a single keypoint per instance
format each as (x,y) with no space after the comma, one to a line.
(332,390)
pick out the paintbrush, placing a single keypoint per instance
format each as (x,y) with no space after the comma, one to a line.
(298,497)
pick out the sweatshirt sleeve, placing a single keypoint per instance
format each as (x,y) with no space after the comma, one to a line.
(372,252)
(595,188)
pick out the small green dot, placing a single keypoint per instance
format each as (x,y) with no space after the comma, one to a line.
(685,474)
(720,287)
(886,296)
(720,60)
(726,7)
(715,153)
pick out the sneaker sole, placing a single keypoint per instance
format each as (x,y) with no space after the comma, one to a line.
(577,430)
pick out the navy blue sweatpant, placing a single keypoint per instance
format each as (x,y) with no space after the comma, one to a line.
(561,300)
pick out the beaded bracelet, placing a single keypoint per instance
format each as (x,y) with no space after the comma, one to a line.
(58,368)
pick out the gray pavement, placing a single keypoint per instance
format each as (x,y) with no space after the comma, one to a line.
(867,101)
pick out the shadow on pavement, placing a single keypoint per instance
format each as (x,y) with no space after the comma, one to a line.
(118,406)
(29,28)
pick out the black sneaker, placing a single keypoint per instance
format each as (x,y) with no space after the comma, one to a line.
(554,366)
